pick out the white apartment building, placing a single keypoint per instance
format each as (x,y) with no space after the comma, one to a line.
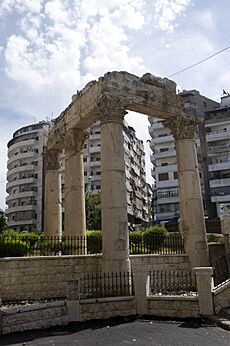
(25,177)
(163,158)
(217,124)
(138,191)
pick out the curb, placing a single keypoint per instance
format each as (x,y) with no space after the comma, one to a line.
(220,321)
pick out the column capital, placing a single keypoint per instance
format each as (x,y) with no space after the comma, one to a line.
(51,159)
(111,110)
(75,139)
(182,126)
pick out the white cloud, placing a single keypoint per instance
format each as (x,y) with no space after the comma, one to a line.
(168,11)
(21,6)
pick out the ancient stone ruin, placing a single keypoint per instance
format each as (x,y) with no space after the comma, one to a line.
(107,100)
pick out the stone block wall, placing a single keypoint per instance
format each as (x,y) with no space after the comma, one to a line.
(42,277)
(35,316)
(146,263)
(172,306)
(29,278)
(221,296)
(107,308)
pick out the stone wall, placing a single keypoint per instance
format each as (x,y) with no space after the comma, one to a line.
(47,277)
(146,263)
(42,277)
(35,316)
(172,306)
(221,296)
(107,307)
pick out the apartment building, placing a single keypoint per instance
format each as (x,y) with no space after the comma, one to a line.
(25,177)
(163,158)
(217,125)
(138,191)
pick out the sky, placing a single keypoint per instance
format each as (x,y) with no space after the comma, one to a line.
(49,49)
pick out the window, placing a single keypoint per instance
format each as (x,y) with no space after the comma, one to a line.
(175,176)
(163,176)
(164,164)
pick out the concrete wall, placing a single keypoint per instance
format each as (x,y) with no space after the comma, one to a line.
(36,316)
(221,296)
(173,306)
(47,277)
(107,307)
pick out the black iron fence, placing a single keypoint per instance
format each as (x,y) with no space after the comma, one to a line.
(102,285)
(157,244)
(173,282)
(55,246)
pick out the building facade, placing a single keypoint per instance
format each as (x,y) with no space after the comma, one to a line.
(25,176)
(217,125)
(163,158)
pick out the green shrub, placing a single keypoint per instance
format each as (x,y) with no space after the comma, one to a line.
(153,237)
(30,238)
(135,242)
(94,242)
(13,248)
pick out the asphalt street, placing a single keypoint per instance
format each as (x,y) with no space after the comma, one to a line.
(125,331)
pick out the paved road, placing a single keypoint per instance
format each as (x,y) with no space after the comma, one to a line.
(128,331)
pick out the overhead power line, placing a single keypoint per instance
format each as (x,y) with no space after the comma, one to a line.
(199,62)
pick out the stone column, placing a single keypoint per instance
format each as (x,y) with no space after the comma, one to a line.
(75,223)
(52,207)
(113,189)
(204,279)
(191,203)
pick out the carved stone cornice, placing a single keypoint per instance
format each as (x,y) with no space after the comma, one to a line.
(51,159)
(111,110)
(182,126)
(75,139)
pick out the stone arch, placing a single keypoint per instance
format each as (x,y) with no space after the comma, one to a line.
(107,100)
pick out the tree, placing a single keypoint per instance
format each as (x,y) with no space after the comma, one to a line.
(93,210)
(3,224)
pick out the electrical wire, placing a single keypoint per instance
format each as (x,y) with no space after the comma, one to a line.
(199,62)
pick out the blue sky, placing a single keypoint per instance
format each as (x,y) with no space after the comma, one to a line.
(51,48)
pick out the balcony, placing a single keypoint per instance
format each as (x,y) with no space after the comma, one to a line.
(19,156)
(165,169)
(219,149)
(93,150)
(21,208)
(166,183)
(15,196)
(20,169)
(220,182)
(20,182)
(155,126)
(14,223)
(168,153)
(167,200)
(21,144)
(163,139)
(220,198)
(95,163)
(219,166)
(218,135)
